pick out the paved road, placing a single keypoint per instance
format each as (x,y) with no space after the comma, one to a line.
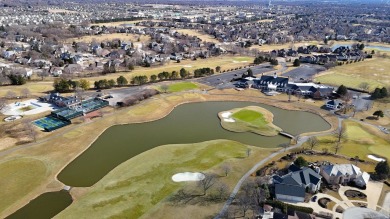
(233,194)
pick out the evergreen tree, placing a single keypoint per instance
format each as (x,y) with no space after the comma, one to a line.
(342,90)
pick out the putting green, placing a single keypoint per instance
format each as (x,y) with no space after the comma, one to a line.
(253,119)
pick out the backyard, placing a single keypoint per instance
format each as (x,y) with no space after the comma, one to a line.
(360,141)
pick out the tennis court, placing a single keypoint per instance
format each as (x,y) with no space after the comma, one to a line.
(50,123)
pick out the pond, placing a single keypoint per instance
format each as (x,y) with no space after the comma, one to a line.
(44,206)
(383,48)
(188,123)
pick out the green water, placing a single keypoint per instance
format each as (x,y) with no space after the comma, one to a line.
(189,123)
(44,206)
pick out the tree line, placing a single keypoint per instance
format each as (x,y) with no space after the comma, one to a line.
(261,59)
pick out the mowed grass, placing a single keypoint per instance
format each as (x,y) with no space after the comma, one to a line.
(250,116)
(136,186)
(253,119)
(360,141)
(374,71)
(182,86)
(16,182)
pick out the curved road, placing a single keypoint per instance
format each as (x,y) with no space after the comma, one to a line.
(259,164)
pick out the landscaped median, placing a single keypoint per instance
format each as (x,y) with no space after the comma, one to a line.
(249,119)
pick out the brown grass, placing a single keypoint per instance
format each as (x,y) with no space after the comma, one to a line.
(56,151)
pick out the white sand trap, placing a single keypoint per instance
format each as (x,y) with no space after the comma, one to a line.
(372,157)
(187,176)
(226,115)
(187,66)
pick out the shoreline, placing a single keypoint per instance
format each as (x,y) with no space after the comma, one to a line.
(45,187)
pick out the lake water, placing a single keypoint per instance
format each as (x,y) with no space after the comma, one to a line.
(189,123)
(44,206)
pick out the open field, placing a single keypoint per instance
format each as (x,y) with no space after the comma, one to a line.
(361,141)
(204,37)
(106,37)
(15,181)
(374,71)
(182,86)
(254,119)
(58,148)
(124,193)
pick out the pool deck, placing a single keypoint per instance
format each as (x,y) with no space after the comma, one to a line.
(40,107)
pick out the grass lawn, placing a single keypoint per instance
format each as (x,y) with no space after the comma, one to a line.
(374,71)
(253,119)
(136,186)
(16,182)
(182,86)
(360,141)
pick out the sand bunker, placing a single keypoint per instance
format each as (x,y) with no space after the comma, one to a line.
(227,117)
(187,176)
(372,157)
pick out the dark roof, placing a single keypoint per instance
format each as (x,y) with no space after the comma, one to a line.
(299,177)
(302,215)
(291,190)
(279,216)
(272,79)
(293,168)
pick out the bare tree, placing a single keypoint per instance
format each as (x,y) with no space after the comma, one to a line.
(313,142)
(43,74)
(244,202)
(248,152)
(226,169)
(222,190)
(25,92)
(3,103)
(337,146)
(164,88)
(368,105)
(340,134)
(30,129)
(10,94)
(208,181)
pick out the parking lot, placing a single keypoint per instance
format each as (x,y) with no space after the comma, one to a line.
(305,72)
(222,81)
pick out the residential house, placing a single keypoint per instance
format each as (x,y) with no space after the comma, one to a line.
(315,91)
(334,104)
(268,83)
(344,174)
(292,186)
